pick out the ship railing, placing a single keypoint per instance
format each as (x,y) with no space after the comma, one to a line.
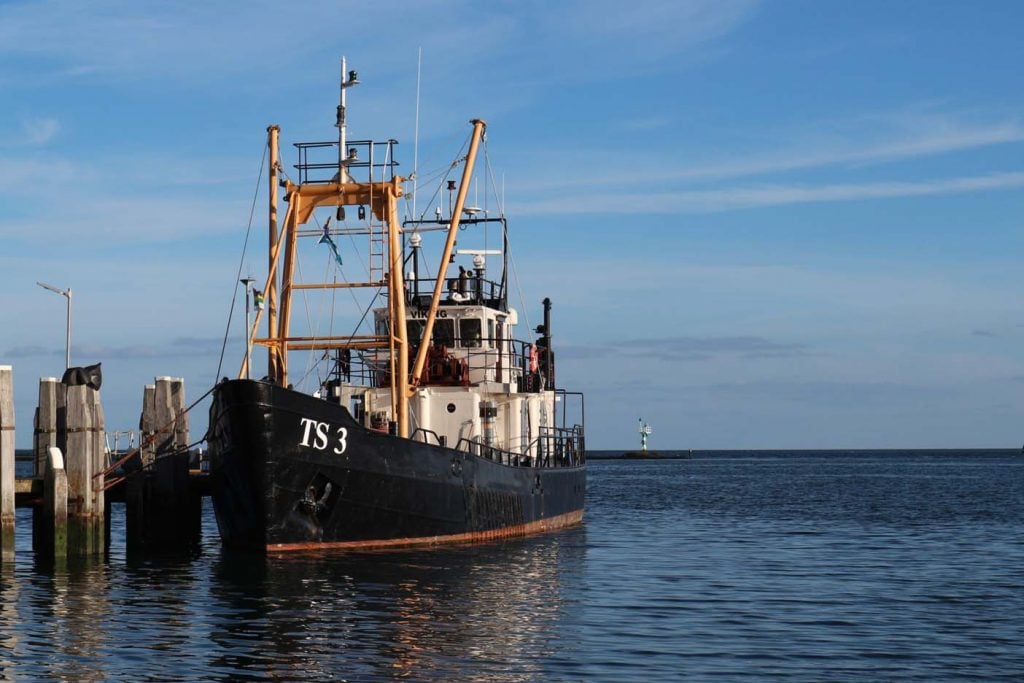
(366,367)
(491,360)
(116,444)
(113,441)
(498,455)
(530,359)
(480,360)
(429,436)
(573,410)
(318,161)
(469,291)
(560,447)
(488,358)
(483,450)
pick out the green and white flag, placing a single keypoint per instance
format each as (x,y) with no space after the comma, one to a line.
(326,239)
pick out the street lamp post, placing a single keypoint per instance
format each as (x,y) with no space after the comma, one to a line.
(66,293)
(247,281)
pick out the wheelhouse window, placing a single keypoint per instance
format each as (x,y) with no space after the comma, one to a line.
(414,330)
(469,333)
(444,333)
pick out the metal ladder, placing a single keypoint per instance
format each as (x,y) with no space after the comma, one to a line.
(378,249)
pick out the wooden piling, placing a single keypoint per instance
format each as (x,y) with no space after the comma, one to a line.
(181,416)
(165,414)
(147,425)
(46,422)
(99,460)
(62,421)
(45,438)
(6,463)
(85,519)
(71,511)
(52,537)
(163,512)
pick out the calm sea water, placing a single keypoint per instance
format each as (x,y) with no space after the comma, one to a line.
(730,566)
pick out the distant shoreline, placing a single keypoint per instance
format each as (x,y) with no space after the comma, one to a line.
(618,454)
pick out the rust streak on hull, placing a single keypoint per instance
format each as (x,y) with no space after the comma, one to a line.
(540,526)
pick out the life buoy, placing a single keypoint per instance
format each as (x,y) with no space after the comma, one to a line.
(533,358)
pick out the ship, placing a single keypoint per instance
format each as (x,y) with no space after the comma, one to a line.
(438,425)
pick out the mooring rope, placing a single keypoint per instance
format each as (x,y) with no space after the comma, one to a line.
(149,440)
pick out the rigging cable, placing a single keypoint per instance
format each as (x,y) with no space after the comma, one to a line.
(241,261)
(351,235)
(338,230)
(511,257)
(358,325)
(460,157)
(311,325)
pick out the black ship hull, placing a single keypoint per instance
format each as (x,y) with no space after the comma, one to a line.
(290,471)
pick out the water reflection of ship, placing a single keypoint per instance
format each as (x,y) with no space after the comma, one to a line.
(442,614)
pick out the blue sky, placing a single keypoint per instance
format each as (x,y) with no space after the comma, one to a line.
(763,225)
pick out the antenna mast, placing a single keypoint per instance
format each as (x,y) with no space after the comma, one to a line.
(352,79)
(416,141)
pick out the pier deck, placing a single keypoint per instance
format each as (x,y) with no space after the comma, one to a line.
(28,491)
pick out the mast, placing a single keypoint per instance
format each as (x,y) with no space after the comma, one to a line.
(273,142)
(302,200)
(396,309)
(453,228)
(382,199)
(341,123)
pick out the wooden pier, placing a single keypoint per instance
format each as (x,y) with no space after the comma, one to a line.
(72,483)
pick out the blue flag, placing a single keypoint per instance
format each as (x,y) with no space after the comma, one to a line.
(326,239)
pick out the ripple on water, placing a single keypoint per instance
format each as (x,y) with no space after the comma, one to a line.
(796,568)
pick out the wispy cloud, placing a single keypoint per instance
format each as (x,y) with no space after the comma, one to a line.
(661,29)
(18,175)
(670,347)
(128,220)
(200,345)
(121,39)
(851,143)
(117,352)
(854,395)
(688,348)
(40,131)
(646,123)
(726,199)
(30,351)
(855,152)
(68,38)
(182,346)
(33,132)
